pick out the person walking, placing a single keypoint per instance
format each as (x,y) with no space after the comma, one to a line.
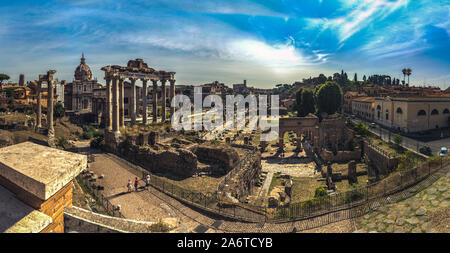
(129,185)
(136,183)
(147,179)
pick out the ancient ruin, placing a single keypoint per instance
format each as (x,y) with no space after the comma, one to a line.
(135,70)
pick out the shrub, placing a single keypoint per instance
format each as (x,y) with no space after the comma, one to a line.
(98,142)
(320,192)
(425,150)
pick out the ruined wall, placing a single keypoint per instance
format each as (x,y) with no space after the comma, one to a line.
(83,221)
(225,155)
(180,162)
(341,156)
(378,160)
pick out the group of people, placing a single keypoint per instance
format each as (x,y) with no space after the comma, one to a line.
(136,183)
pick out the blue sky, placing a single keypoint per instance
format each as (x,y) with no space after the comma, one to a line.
(266,42)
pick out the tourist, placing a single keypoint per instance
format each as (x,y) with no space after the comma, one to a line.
(136,183)
(129,185)
(147,179)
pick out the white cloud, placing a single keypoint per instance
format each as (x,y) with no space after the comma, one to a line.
(362,13)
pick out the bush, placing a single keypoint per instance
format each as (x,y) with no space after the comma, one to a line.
(361,128)
(425,150)
(320,192)
(62,142)
(97,142)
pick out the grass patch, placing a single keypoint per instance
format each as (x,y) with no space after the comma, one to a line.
(304,188)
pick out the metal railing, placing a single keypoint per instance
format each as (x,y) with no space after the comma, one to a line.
(315,212)
(97,192)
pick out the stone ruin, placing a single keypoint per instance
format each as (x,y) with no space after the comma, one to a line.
(329,178)
(178,157)
(352,177)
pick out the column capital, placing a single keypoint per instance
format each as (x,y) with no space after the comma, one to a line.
(172,81)
(163,81)
(155,82)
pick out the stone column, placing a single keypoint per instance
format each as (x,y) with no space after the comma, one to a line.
(39,106)
(121,109)
(115,105)
(133,101)
(163,101)
(155,101)
(108,116)
(144,101)
(50,95)
(171,95)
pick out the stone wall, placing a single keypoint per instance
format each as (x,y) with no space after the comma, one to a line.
(381,162)
(341,156)
(225,155)
(83,221)
(176,161)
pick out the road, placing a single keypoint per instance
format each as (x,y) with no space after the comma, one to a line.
(409,143)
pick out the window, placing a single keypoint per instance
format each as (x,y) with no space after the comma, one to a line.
(434,112)
(387,114)
(125,100)
(421,113)
(378,107)
(446,111)
(399,110)
(125,112)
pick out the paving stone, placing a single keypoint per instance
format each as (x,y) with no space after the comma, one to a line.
(381,227)
(399,230)
(443,204)
(421,211)
(447,196)
(400,221)
(434,203)
(431,197)
(390,229)
(389,221)
(431,190)
(416,230)
(443,188)
(371,226)
(413,220)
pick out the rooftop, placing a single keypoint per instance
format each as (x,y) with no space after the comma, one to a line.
(38,169)
(17,217)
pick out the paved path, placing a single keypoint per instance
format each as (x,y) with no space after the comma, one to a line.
(427,211)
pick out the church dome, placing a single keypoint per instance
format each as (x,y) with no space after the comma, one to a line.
(83,72)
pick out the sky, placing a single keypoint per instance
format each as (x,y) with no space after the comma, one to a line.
(265,42)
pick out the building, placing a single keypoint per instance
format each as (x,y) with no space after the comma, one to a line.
(241,88)
(349,96)
(34,191)
(412,114)
(364,107)
(78,94)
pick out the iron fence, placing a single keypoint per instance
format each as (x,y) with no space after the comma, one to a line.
(97,192)
(311,213)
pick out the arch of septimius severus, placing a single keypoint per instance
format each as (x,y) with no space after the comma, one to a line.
(135,70)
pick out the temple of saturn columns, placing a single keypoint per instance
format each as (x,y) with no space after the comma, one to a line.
(46,78)
(135,70)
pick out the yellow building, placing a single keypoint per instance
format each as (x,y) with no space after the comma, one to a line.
(364,107)
(412,114)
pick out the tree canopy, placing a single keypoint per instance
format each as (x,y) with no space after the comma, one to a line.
(3,77)
(329,97)
(305,103)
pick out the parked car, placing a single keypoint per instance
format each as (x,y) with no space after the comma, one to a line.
(444,151)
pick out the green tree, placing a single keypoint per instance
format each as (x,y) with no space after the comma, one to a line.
(407,160)
(305,102)
(361,128)
(397,139)
(329,97)
(59,110)
(3,77)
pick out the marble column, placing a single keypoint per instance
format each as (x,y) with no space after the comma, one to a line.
(115,105)
(155,100)
(163,101)
(50,95)
(133,101)
(108,116)
(171,95)
(39,106)
(121,105)
(144,101)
